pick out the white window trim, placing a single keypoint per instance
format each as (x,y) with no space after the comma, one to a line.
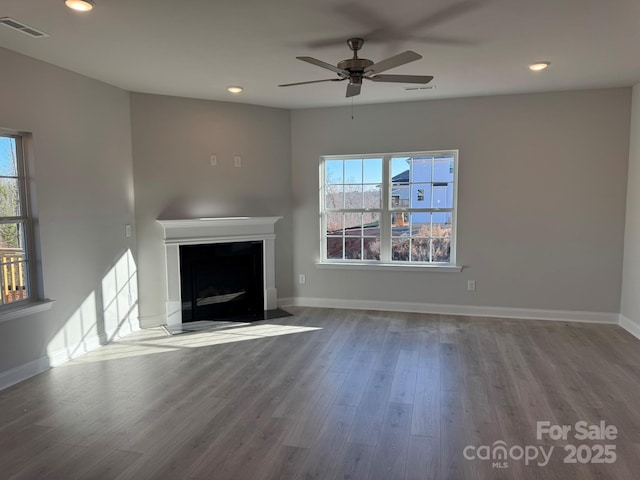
(24,308)
(396,266)
(37,302)
(385,214)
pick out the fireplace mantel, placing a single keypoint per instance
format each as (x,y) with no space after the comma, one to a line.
(217,230)
(199,230)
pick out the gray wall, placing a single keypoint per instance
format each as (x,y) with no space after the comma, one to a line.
(173,139)
(82,166)
(541,203)
(541,197)
(630,299)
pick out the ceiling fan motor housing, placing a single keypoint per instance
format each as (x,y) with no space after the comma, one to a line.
(355,67)
(355,64)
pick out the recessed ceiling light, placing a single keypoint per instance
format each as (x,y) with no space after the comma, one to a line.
(80,5)
(234,89)
(536,67)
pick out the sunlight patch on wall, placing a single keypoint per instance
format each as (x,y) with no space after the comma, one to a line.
(120,298)
(78,335)
(108,312)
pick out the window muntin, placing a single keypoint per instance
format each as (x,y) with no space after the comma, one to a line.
(392,208)
(15,228)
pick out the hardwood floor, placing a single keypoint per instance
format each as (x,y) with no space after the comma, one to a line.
(328,394)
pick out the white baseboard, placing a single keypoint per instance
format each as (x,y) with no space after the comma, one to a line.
(54,359)
(152,321)
(630,326)
(466,310)
(125,328)
(22,372)
(284,302)
(87,345)
(42,364)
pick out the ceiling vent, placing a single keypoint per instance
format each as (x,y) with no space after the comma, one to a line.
(430,87)
(21,27)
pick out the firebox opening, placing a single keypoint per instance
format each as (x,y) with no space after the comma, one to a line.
(222,281)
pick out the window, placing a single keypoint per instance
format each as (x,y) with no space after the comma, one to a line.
(16,238)
(389,209)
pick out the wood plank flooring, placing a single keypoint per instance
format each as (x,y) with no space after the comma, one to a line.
(327,394)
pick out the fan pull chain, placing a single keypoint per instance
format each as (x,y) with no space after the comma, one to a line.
(351,108)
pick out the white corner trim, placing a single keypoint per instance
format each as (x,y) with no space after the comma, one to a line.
(465,310)
(630,326)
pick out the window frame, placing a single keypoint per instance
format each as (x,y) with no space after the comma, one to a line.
(34,301)
(385,211)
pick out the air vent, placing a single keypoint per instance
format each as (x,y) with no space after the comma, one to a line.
(430,87)
(21,27)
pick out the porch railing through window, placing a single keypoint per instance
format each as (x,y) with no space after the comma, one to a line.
(13,275)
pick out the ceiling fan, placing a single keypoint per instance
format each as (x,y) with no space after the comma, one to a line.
(357,69)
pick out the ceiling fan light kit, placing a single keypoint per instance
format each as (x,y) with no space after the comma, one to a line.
(80,5)
(356,69)
(539,66)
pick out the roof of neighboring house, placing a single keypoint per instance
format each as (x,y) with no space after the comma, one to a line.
(401,177)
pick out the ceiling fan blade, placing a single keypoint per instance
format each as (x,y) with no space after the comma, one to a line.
(442,40)
(423,79)
(392,62)
(445,14)
(312,81)
(378,27)
(353,89)
(320,63)
(363,15)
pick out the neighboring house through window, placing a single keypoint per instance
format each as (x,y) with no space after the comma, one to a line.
(390,208)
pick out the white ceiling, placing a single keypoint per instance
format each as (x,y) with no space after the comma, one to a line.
(196,48)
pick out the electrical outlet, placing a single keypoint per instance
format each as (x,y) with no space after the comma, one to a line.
(127,230)
(214,160)
(302,279)
(471,285)
(237,161)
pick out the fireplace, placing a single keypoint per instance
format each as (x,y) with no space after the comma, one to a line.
(238,249)
(221,281)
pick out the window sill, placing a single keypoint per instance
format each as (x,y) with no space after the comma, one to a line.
(22,310)
(390,267)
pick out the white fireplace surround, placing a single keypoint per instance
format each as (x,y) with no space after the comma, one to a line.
(202,231)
